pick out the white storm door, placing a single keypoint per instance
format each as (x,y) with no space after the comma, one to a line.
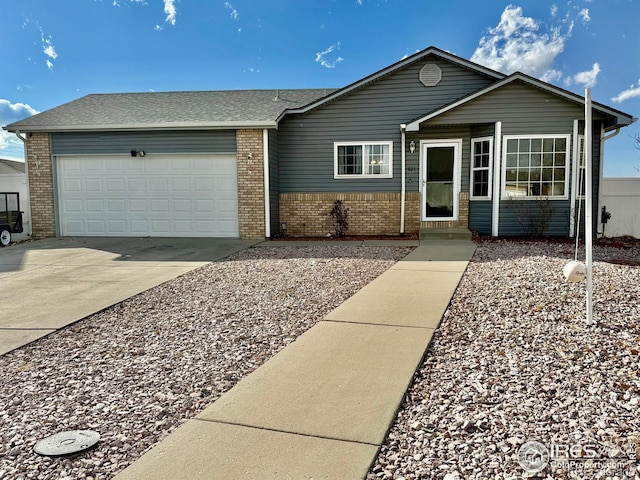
(440,179)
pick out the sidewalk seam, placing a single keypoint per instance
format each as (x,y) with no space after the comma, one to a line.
(376,324)
(285,431)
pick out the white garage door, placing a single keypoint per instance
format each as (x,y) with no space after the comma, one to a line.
(155,195)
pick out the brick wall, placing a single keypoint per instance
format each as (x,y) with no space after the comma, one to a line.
(250,183)
(43,217)
(307,214)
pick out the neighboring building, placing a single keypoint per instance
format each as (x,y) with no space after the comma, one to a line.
(13,179)
(621,198)
(433,141)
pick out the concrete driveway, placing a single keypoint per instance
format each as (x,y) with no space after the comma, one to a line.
(48,284)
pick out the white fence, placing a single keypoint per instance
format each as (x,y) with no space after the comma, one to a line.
(621,196)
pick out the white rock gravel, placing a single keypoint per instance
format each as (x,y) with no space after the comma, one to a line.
(513,361)
(136,371)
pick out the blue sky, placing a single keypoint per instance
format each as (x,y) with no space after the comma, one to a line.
(57,51)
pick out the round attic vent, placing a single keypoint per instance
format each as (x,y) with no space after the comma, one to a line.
(430,75)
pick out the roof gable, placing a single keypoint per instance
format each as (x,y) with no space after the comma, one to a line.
(430,51)
(619,118)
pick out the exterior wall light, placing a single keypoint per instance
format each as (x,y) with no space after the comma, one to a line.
(412,146)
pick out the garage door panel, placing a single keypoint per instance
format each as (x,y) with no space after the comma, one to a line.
(117,227)
(93,185)
(116,206)
(96,227)
(181,184)
(94,206)
(115,185)
(150,196)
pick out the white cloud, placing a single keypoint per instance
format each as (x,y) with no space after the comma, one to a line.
(518,43)
(359,2)
(10,146)
(584,15)
(631,92)
(320,56)
(588,78)
(170,10)
(554,10)
(47,48)
(234,13)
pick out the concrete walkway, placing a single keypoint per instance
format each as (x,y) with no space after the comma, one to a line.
(321,408)
(48,284)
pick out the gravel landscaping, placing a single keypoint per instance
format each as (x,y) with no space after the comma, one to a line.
(513,361)
(136,371)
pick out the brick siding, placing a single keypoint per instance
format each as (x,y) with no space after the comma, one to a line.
(250,183)
(307,214)
(39,163)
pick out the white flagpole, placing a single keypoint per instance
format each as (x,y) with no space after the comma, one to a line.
(588,214)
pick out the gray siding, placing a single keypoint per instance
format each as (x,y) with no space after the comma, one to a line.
(559,226)
(106,143)
(274,182)
(521,108)
(374,112)
(480,215)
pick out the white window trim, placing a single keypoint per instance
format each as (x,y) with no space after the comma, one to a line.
(490,169)
(568,159)
(362,175)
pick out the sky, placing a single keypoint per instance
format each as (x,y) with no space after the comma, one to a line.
(56,51)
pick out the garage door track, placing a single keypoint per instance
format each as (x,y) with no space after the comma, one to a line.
(48,284)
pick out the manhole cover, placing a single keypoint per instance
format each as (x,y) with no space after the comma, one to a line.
(66,443)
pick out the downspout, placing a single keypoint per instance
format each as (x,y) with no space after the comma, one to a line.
(403,130)
(26,171)
(603,139)
(267,203)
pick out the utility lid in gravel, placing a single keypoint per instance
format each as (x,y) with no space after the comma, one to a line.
(66,443)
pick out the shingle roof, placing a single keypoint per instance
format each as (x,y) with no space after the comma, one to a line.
(11,166)
(157,110)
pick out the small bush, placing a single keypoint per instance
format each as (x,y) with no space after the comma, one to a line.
(340,216)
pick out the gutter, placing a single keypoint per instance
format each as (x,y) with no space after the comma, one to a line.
(233,125)
(403,129)
(26,171)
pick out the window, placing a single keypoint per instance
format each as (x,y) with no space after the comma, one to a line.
(536,166)
(365,159)
(481,164)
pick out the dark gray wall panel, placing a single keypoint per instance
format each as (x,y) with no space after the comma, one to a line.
(274,182)
(480,214)
(558,227)
(106,143)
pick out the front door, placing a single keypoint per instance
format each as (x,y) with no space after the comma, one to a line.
(440,177)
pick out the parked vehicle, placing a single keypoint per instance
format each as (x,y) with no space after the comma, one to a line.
(10,216)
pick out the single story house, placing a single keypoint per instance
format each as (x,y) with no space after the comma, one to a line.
(432,141)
